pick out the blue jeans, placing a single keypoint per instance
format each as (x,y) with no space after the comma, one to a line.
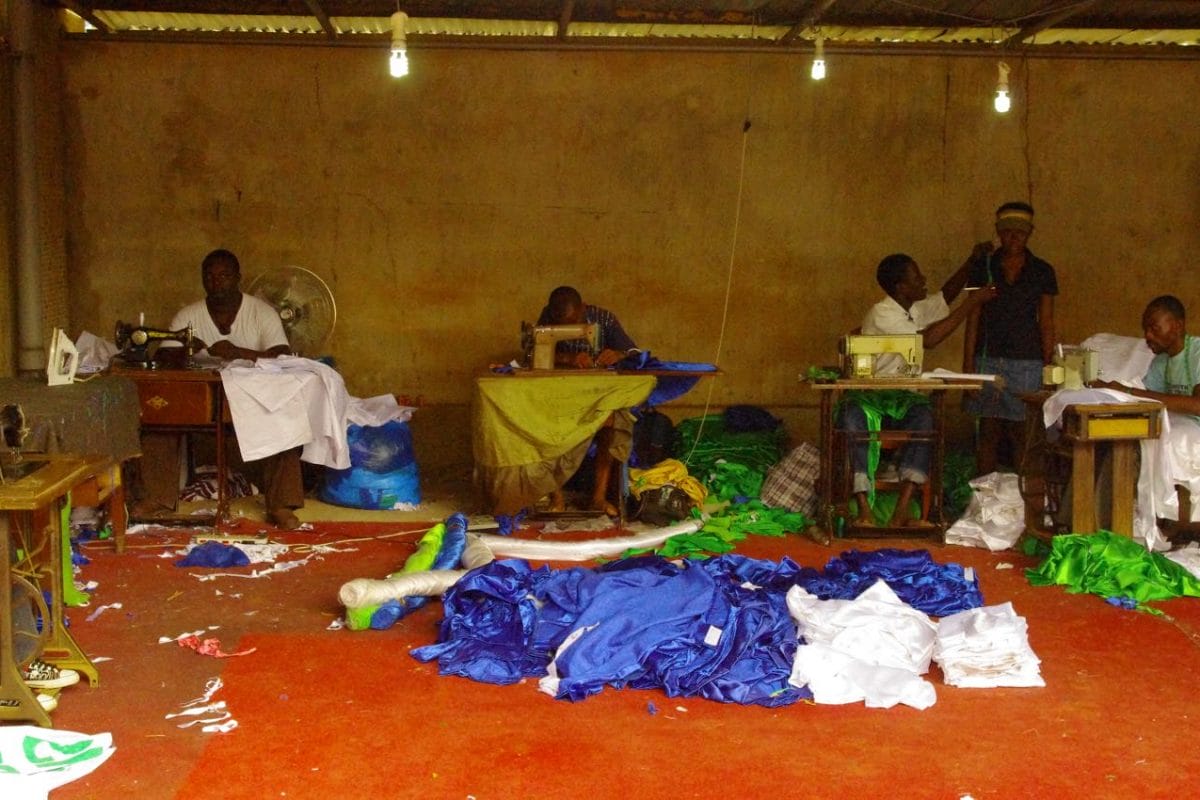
(915,457)
(1021,376)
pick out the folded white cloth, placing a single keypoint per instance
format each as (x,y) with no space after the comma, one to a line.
(986,647)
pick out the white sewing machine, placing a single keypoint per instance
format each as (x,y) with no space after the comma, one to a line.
(1073,367)
(865,357)
(538,342)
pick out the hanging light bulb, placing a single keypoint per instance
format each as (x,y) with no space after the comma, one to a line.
(1002,102)
(398,61)
(818,65)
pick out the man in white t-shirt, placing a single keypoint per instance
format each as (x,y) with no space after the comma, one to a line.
(229,325)
(907,309)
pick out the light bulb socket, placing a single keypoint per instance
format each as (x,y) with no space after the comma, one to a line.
(399,24)
(818,64)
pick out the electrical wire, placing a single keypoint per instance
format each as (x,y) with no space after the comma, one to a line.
(733,244)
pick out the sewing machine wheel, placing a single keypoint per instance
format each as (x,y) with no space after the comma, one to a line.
(25,592)
(305,305)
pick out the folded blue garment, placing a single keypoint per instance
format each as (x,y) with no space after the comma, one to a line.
(214,554)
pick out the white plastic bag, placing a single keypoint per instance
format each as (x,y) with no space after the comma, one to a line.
(35,760)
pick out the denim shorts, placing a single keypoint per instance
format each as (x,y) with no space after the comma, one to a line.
(1021,376)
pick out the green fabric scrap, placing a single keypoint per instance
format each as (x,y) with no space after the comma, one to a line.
(958,469)
(703,441)
(1110,565)
(730,479)
(821,374)
(875,405)
(727,527)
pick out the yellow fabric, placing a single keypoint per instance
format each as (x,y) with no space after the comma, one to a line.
(530,434)
(669,472)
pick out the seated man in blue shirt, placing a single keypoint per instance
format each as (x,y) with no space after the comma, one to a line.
(907,309)
(566,307)
(1174,375)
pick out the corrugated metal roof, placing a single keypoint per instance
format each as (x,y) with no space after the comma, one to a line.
(957,23)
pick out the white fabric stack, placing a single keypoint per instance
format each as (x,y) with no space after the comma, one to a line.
(873,648)
(986,647)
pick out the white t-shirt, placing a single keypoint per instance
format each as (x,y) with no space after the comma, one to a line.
(888,317)
(256,326)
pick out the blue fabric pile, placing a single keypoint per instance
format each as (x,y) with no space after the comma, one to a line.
(716,628)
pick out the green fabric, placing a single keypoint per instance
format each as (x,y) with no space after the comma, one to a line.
(427,551)
(729,480)
(817,374)
(883,506)
(958,469)
(359,619)
(1110,565)
(725,528)
(875,405)
(730,464)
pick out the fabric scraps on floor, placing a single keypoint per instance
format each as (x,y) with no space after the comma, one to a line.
(210,647)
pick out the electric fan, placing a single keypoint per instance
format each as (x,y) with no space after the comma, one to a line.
(304,303)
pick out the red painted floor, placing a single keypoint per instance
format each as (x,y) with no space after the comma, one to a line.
(337,714)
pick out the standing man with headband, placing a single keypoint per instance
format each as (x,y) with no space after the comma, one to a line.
(1012,336)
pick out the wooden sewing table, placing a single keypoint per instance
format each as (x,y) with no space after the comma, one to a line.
(1084,425)
(185,401)
(539,423)
(23,502)
(832,484)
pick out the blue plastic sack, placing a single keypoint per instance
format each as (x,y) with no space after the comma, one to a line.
(383,473)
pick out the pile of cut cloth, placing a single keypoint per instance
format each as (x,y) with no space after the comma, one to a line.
(730,463)
(717,628)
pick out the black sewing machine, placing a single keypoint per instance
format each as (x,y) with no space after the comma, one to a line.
(137,343)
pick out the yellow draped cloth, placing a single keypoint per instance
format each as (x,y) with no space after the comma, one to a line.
(531,433)
(668,472)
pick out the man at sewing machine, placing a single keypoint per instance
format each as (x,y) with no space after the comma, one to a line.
(229,325)
(1174,375)
(1173,379)
(907,309)
(566,307)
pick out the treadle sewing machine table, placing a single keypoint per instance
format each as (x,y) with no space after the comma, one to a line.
(1084,426)
(833,504)
(513,412)
(185,401)
(22,502)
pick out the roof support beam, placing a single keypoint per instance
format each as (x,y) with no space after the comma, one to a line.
(564,18)
(816,10)
(314,7)
(84,11)
(1048,21)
